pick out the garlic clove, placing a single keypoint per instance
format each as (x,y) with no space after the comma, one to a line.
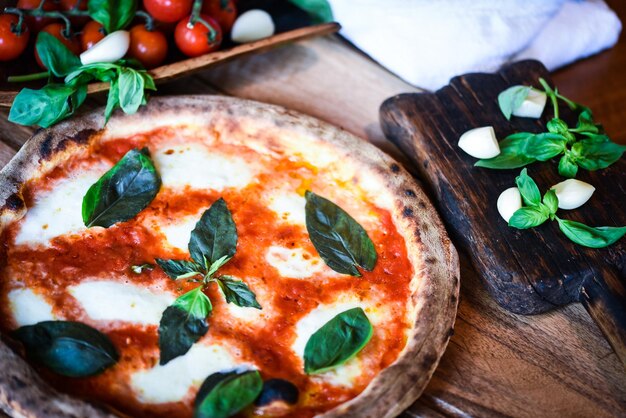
(532,106)
(480,142)
(572,193)
(509,201)
(251,26)
(110,49)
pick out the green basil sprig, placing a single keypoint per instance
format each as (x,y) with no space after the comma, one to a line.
(342,243)
(223,395)
(337,341)
(584,146)
(319,10)
(123,191)
(212,244)
(57,101)
(68,348)
(112,14)
(538,210)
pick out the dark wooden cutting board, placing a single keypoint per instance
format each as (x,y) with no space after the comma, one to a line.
(526,271)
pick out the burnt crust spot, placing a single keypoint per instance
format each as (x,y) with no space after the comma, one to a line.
(409,193)
(14,202)
(430,260)
(47,147)
(407,212)
(395,168)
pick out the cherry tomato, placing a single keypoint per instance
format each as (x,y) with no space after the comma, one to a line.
(168,10)
(37,23)
(11,44)
(92,33)
(149,47)
(225,15)
(195,41)
(57,30)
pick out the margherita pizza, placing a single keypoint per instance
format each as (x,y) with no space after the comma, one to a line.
(214,257)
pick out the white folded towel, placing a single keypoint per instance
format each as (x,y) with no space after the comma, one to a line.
(427,42)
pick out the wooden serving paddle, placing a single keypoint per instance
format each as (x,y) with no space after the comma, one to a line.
(526,271)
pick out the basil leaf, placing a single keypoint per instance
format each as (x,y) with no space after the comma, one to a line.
(567,168)
(46,106)
(557,126)
(544,146)
(113,100)
(183,323)
(112,14)
(512,153)
(216,265)
(179,269)
(528,189)
(215,235)
(223,395)
(598,237)
(130,84)
(511,99)
(592,155)
(237,292)
(55,56)
(586,124)
(337,341)
(68,348)
(123,191)
(342,243)
(148,81)
(528,217)
(319,10)
(550,201)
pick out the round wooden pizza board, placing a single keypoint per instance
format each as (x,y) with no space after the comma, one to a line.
(435,262)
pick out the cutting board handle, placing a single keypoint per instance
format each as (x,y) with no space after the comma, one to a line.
(605,300)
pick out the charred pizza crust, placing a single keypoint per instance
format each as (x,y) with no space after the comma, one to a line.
(435,283)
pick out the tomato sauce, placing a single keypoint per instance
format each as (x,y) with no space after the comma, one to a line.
(109,253)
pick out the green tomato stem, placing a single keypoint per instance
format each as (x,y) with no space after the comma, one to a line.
(149,19)
(28,77)
(54,14)
(195,13)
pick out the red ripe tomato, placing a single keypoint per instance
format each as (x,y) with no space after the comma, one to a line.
(225,15)
(37,23)
(168,10)
(92,33)
(57,30)
(11,44)
(196,40)
(149,47)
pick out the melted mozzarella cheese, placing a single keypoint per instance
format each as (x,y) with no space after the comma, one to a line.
(294,262)
(172,381)
(58,211)
(178,234)
(344,375)
(28,307)
(114,301)
(195,166)
(289,207)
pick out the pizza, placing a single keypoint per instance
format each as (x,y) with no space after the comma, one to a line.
(212,257)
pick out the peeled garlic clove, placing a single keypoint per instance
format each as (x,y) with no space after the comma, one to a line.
(509,201)
(480,142)
(572,193)
(110,49)
(532,106)
(251,26)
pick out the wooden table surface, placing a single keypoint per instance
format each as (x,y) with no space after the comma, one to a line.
(497,363)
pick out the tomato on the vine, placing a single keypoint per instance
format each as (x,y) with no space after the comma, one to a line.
(92,33)
(12,44)
(147,46)
(68,5)
(58,31)
(35,24)
(168,10)
(224,11)
(196,40)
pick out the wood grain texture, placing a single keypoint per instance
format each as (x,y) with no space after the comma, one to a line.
(497,363)
(526,271)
